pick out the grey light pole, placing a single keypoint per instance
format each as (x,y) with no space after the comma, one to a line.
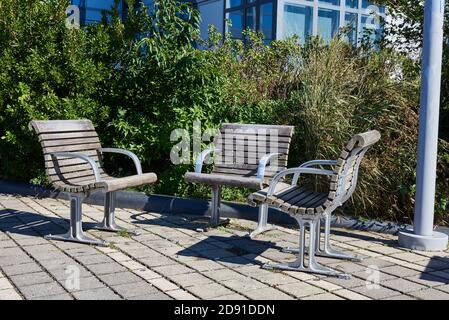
(423,237)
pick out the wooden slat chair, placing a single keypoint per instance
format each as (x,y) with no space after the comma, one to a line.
(308,207)
(245,155)
(72,155)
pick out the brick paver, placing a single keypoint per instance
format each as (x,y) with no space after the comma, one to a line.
(171,260)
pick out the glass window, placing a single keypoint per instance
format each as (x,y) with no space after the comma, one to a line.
(328,23)
(298,21)
(351,26)
(234,3)
(251,18)
(334,2)
(266,21)
(366,4)
(236,27)
(92,10)
(370,28)
(148,3)
(100,4)
(352,4)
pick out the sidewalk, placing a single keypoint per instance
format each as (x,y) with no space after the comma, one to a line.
(170,260)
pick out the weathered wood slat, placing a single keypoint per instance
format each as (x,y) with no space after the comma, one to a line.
(81,180)
(243,156)
(253,150)
(260,139)
(69,142)
(73,148)
(62,162)
(90,153)
(293,200)
(283,197)
(282,130)
(48,126)
(253,143)
(67,135)
(241,166)
(71,175)
(71,169)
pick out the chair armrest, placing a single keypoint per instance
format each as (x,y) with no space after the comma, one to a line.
(90,161)
(263,163)
(297,172)
(126,153)
(200,159)
(314,163)
(318,163)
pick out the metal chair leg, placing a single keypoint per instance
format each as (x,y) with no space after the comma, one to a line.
(324,248)
(312,266)
(75,233)
(328,250)
(262,225)
(214,220)
(108,223)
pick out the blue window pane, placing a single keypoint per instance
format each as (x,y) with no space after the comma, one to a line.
(92,10)
(366,4)
(328,23)
(266,21)
(351,25)
(101,4)
(236,27)
(370,28)
(234,3)
(148,3)
(298,21)
(251,18)
(352,4)
(93,15)
(334,2)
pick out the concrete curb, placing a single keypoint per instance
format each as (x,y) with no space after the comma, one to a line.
(174,205)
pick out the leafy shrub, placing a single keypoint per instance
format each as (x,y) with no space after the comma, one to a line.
(139,79)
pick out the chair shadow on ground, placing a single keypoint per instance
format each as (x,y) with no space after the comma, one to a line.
(234,250)
(188,222)
(34,224)
(437,271)
(30,223)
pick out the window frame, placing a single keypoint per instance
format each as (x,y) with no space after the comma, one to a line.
(342,8)
(245,4)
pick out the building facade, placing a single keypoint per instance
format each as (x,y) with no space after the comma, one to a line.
(91,11)
(279,19)
(276,19)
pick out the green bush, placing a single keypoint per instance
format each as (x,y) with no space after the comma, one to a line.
(139,79)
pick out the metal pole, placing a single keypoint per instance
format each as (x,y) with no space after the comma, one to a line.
(423,237)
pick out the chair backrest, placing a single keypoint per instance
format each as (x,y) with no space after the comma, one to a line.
(344,179)
(241,146)
(77,136)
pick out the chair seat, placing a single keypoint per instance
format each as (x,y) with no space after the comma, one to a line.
(231,180)
(108,183)
(292,199)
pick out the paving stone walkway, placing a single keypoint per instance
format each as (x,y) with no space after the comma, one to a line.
(171,260)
